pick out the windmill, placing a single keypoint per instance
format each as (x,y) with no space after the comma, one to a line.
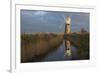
(67,25)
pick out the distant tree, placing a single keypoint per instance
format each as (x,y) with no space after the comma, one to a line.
(83,30)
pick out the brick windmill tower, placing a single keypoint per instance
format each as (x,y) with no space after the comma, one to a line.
(68,25)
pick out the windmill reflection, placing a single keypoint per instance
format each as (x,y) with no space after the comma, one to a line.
(68,50)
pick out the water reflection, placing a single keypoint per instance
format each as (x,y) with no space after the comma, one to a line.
(68,50)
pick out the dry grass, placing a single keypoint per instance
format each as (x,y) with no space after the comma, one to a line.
(35,46)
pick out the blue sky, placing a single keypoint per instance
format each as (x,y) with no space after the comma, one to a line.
(52,21)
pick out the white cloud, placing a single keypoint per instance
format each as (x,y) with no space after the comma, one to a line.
(40,13)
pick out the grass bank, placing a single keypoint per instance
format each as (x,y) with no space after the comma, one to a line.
(84,49)
(36,46)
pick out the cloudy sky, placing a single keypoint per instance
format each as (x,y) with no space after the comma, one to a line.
(51,21)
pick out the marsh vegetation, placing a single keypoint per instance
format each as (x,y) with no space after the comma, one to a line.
(35,47)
